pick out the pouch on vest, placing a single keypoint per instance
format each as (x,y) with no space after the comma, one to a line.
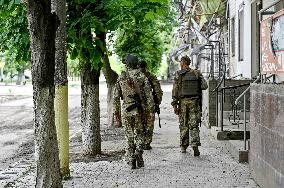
(190,85)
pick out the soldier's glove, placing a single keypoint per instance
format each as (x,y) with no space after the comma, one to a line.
(117,118)
(177,110)
(150,116)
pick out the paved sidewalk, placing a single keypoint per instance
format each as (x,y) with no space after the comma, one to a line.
(165,166)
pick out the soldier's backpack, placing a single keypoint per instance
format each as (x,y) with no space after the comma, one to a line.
(190,84)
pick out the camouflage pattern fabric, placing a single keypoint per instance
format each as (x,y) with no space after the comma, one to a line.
(149,130)
(156,86)
(133,130)
(132,120)
(189,111)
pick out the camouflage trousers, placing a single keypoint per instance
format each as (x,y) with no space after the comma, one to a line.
(133,130)
(190,114)
(149,130)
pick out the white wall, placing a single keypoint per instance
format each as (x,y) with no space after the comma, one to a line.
(244,66)
(232,59)
(241,67)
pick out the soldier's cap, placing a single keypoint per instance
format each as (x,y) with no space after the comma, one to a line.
(186,60)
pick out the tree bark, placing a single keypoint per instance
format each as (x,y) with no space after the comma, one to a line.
(90,110)
(21,77)
(42,36)
(1,74)
(111,78)
(61,88)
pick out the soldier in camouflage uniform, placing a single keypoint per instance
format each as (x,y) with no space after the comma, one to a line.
(157,96)
(186,95)
(134,89)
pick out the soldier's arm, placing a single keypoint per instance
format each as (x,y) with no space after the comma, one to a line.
(149,97)
(116,98)
(204,85)
(175,91)
(157,88)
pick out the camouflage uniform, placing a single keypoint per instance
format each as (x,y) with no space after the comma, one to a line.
(156,86)
(131,120)
(189,111)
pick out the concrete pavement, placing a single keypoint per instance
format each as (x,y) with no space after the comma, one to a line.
(165,166)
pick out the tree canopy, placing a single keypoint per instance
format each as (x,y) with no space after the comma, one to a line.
(141,27)
(14,35)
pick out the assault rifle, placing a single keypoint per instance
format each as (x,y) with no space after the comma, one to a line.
(156,101)
(157,107)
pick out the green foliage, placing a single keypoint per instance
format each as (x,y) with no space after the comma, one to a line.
(14,35)
(83,25)
(116,65)
(143,28)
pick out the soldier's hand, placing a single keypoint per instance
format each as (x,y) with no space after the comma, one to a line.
(117,118)
(150,116)
(176,110)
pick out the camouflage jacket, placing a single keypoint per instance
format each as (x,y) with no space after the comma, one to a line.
(155,85)
(125,90)
(177,84)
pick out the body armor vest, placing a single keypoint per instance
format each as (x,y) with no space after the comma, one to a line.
(190,85)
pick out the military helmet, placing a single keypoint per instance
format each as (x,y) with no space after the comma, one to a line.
(185,59)
(132,61)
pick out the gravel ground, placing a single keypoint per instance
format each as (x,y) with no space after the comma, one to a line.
(165,166)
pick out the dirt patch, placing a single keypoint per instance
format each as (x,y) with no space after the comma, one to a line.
(107,134)
(104,156)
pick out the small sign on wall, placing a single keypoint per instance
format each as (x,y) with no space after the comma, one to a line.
(272,43)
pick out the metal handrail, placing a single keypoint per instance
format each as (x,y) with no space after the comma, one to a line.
(233,87)
(221,90)
(245,117)
(236,76)
(245,91)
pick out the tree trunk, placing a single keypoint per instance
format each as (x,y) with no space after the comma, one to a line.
(42,36)
(1,74)
(61,88)
(90,110)
(111,78)
(21,77)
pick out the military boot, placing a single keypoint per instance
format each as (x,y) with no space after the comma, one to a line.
(183,150)
(195,151)
(140,162)
(132,163)
(147,147)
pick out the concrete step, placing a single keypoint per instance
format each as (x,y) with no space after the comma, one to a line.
(236,149)
(229,133)
(233,142)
